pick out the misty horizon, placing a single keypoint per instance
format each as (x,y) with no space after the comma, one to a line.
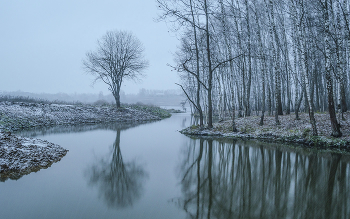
(154,97)
(43,44)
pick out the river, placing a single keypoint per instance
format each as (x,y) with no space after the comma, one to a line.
(152,171)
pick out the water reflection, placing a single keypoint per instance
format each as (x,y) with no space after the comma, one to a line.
(222,179)
(60,129)
(64,129)
(119,183)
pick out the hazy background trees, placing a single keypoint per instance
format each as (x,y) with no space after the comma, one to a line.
(165,98)
(119,55)
(285,56)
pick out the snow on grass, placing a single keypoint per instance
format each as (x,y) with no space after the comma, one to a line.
(20,155)
(16,116)
(289,130)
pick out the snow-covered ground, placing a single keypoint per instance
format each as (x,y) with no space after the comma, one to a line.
(20,156)
(16,116)
(290,130)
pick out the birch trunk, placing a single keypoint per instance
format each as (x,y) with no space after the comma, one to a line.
(210,71)
(269,7)
(305,69)
(334,123)
(200,111)
(263,65)
(229,50)
(249,82)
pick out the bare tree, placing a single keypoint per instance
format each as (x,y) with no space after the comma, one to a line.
(331,108)
(119,56)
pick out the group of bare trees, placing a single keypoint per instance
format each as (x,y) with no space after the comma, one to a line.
(250,56)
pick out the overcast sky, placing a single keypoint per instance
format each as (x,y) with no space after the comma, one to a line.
(43,43)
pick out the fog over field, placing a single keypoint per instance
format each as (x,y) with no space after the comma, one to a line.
(154,97)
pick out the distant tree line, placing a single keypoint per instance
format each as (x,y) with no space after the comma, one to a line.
(156,97)
(27,99)
(153,97)
(267,56)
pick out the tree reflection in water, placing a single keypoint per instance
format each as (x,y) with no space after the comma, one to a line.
(120,183)
(222,179)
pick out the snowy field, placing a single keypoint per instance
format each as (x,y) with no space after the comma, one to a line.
(17,116)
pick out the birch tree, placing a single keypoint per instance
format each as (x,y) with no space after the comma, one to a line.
(331,108)
(264,55)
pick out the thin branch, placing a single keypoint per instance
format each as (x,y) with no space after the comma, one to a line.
(188,97)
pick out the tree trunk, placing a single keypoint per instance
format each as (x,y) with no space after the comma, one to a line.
(116,94)
(249,82)
(199,108)
(234,128)
(341,61)
(278,97)
(305,69)
(263,66)
(228,45)
(297,105)
(275,53)
(334,123)
(210,71)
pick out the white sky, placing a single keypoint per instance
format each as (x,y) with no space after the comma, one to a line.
(43,43)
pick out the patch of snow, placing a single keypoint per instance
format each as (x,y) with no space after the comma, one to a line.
(20,155)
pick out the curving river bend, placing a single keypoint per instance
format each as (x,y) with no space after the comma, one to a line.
(152,171)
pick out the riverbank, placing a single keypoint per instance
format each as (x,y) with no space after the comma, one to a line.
(20,156)
(16,116)
(290,130)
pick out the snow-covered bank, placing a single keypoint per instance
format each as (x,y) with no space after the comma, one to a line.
(290,130)
(20,156)
(16,116)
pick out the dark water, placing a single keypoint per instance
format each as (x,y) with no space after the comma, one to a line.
(152,171)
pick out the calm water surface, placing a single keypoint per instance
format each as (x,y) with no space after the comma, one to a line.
(152,171)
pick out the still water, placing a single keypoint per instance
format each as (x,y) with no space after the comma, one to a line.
(152,171)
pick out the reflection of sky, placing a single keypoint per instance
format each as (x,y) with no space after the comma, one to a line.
(62,191)
(43,43)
